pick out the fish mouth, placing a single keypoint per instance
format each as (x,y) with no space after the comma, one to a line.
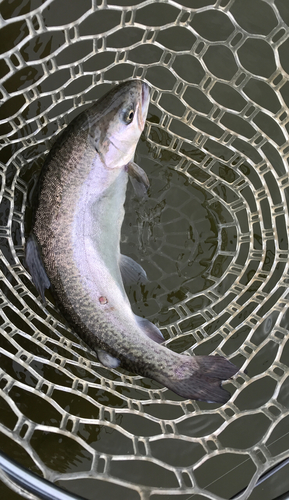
(144,104)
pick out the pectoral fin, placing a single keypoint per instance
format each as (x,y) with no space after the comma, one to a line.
(131,271)
(150,330)
(139,179)
(107,360)
(35,266)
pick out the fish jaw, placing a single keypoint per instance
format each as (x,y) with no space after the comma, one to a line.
(143,108)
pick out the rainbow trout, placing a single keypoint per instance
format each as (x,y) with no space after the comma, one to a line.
(74,246)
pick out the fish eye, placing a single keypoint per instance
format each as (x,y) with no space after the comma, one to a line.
(129,117)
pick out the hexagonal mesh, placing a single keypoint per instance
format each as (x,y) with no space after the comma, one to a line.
(212,237)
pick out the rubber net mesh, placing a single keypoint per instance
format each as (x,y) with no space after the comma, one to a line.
(212,237)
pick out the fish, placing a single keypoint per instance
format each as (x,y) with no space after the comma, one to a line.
(74,246)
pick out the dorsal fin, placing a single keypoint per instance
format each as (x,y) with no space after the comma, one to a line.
(35,266)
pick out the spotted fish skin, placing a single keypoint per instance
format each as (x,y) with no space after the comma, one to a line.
(76,238)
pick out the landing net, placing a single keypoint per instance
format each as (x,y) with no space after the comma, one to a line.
(212,236)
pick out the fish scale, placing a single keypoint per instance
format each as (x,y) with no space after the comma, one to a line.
(75,246)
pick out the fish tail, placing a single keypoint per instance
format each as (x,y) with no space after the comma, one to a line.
(199,378)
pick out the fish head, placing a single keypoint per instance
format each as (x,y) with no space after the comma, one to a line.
(120,121)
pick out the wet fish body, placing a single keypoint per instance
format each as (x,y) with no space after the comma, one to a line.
(75,246)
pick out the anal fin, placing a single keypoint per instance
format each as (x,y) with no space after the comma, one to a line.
(35,266)
(150,330)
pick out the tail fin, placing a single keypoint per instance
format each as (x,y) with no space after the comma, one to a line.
(199,378)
